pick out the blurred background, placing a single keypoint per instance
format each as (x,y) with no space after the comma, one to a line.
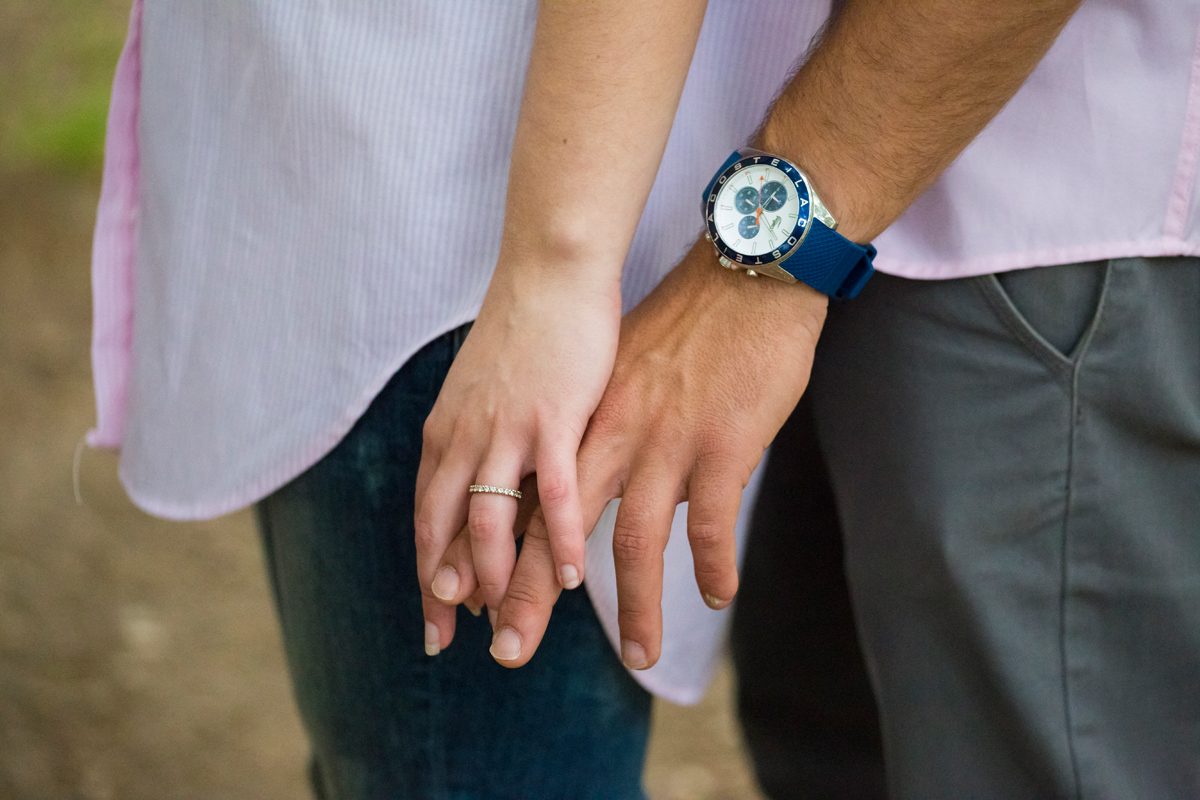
(138,658)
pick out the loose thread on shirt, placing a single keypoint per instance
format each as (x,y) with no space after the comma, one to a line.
(76,464)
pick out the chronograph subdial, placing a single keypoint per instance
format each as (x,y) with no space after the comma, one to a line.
(747,200)
(748,226)
(774,195)
(758,211)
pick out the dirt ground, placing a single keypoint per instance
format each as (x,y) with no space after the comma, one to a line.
(140,659)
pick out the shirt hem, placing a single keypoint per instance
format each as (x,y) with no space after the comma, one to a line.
(289,468)
(1046,257)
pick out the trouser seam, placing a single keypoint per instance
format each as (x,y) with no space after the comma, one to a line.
(1064,591)
(1065,573)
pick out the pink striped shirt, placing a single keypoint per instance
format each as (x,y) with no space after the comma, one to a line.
(251,266)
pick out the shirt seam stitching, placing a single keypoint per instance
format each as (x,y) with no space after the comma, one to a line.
(1183,186)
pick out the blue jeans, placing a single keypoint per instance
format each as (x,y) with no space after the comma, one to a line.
(385,720)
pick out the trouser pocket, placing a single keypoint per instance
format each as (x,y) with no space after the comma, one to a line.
(1051,310)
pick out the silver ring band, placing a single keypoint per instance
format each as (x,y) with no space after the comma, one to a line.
(483,488)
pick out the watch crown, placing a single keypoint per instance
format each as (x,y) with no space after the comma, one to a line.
(725,262)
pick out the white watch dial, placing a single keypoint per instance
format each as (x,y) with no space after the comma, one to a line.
(757,209)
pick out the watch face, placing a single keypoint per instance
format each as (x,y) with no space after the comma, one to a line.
(758,210)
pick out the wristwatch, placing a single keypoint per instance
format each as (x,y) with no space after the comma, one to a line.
(764,217)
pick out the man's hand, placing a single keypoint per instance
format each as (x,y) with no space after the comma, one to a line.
(711,363)
(708,368)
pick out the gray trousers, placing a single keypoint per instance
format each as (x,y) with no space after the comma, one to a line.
(978,548)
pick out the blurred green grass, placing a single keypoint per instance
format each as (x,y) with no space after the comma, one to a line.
(57,59)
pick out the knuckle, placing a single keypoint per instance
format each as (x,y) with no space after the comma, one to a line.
(713,572)
(660,441)
(424,535)
(522,596)
(717,451)
(461,433)
(611,414)
(522,430)
(633,515)
(553,490)
(707,535)
(630,544)
(483,524)
(490,587)
(721,474)
(633,618)
(715,429)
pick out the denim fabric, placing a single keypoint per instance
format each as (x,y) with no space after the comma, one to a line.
(385,720)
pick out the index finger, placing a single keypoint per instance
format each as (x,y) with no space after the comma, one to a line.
(532,592)
(441,511)
(534,588)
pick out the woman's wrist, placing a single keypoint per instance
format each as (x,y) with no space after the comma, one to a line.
(556,271)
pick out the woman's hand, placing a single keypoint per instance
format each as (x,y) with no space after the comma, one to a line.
(516,401)
(710,365)
(588,143)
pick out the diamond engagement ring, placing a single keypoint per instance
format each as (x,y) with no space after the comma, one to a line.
(482,488)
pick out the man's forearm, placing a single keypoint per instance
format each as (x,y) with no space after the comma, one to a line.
(896,89)
(601,92)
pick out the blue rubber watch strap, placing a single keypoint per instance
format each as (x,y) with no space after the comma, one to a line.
(831,263)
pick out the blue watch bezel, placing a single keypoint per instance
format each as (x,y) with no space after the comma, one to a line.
(799,231)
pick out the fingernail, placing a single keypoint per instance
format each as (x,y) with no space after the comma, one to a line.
(506,645)
(633,654)
(445,583)
(715,602)
(473,607)
(492,618)
(433,639)
(569,576)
